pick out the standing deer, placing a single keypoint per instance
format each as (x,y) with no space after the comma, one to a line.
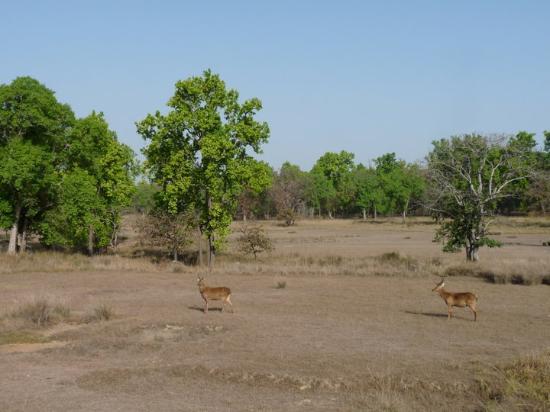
(217,293)
(460,300)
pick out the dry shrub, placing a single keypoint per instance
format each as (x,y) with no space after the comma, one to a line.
(523,385)
(37,312)
(65,262)
(395,259)
(516,273)
(331,261)
(253,240)
(281,285)
(102,312)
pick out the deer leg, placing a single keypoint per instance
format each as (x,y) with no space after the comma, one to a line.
(450,312)
(228,300)
(205,306)
(473,309)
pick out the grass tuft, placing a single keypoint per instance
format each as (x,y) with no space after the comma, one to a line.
(281,285)
(37,312)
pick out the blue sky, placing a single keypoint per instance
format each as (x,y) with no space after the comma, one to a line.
(367,77)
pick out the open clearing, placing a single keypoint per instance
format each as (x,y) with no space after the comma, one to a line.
(337,337)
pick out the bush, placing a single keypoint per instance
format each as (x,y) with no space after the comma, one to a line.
(253,241)
(37,312)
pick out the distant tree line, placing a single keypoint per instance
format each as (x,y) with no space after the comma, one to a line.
(66,180)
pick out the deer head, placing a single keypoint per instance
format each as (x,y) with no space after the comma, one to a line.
(439,285)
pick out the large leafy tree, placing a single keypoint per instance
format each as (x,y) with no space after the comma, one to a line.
(33,129)
(97,183)
(199,152)
(471,173)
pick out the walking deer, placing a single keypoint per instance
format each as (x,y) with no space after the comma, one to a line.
(216,293)
(461,300)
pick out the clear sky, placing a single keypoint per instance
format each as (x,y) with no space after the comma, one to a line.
(363,76)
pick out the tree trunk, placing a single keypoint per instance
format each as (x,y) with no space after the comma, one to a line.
(211,252)
(404,214)
(91,240)
(175,252)
(244,216)
(22,236)
(329,214)
(210,237)
(200,246)
(364,214)
(12,246)
(472,252)
(375,212)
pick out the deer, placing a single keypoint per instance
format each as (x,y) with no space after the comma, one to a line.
(461,300)
(214,293)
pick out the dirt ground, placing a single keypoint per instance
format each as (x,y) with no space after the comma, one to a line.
(323,342)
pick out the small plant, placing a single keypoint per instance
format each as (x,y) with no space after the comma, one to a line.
(37,312)
(62,311)
(253,241)
(281,285)
(100,313)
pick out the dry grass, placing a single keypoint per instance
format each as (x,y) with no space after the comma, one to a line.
(518,272)
(100,313)
(523,385)
(357,329)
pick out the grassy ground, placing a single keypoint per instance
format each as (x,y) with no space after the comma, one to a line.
(339,317)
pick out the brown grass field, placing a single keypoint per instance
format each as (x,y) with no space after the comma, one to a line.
(340,316)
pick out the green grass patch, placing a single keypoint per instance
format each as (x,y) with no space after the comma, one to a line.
(18,336)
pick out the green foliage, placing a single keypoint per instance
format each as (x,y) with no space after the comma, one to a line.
(144,196)
(332,177)
(30,111)
(33,128)
(26,180)
(199,151)
(97,183)
(79,209)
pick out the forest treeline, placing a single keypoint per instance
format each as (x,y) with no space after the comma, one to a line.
(337,187)
(66,180)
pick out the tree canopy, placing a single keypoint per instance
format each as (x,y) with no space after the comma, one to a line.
(199,152)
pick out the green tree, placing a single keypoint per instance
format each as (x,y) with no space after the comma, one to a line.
(470,174)
(336,168)
(80,219)
(95,158)
(33,129)
(259,180)
(199,152)
(144,197)
(369,195)
(26,181)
